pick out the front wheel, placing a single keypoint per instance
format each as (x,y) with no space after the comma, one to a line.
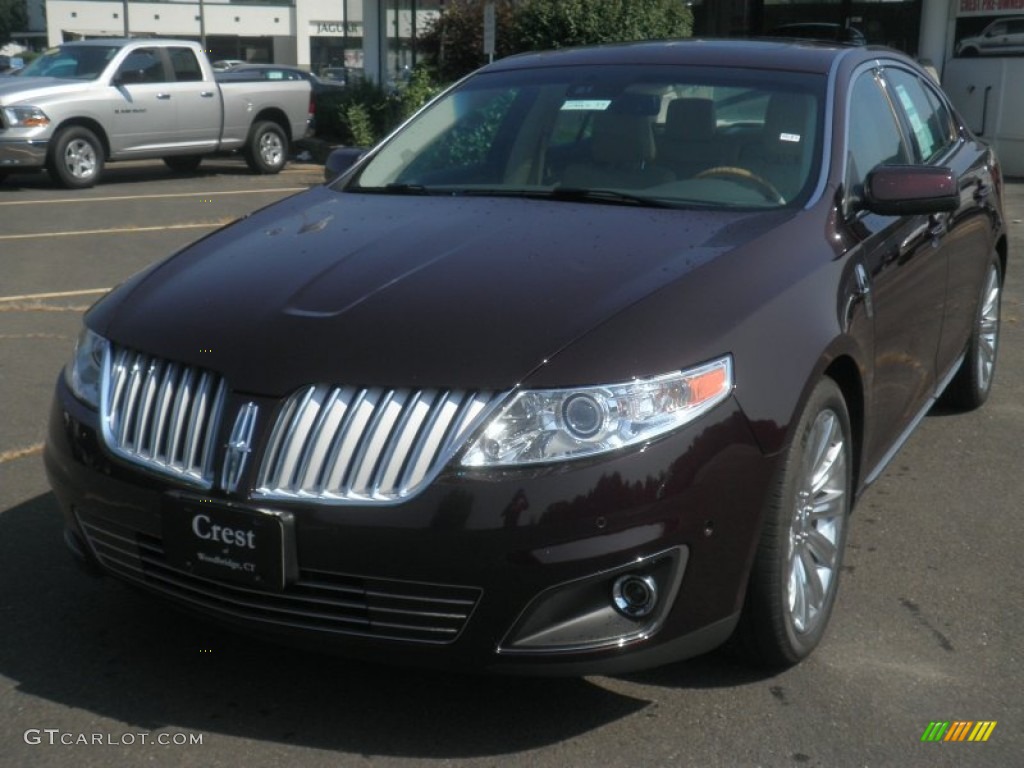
(795,577)
(972,383)
(76,158)
(267,150)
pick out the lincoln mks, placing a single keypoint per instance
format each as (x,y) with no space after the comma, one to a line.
(581,370)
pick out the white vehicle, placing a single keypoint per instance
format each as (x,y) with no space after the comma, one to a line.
(87,103)
(1003,37)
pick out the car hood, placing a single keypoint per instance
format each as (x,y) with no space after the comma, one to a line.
(15,89)
(408,291)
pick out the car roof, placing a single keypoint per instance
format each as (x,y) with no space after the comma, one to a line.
(121,41)
(789,55)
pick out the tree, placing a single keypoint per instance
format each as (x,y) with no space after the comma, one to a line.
(13,19)
(455,41)
(544,24)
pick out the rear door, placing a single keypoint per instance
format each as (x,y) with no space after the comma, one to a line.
(965,235)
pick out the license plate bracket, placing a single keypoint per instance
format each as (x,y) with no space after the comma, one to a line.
(229,543)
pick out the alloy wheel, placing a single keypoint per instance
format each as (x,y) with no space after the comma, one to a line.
(988,329)
(817,525)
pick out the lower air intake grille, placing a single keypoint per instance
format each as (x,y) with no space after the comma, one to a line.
(320,601)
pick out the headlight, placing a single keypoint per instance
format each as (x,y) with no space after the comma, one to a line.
(84,372)
(25,117)
(543,425)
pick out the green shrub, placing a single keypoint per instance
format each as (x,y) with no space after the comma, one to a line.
(364,112)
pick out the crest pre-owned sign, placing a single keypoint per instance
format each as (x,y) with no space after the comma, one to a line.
(989,7)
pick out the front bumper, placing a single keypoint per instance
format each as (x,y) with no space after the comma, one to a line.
(509,571)
(25,154)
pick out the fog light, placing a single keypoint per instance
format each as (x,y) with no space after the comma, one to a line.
(634,596)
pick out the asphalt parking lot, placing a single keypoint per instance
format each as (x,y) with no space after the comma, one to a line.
(928,623)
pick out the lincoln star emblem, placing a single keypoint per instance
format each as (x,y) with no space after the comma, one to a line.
(239,446)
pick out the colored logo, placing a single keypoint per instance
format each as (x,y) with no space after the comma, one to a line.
(958,730)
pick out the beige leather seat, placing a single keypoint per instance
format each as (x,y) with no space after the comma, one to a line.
(621,155)
(689,143)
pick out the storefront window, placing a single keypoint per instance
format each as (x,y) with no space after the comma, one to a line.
(336,44)
(404,22)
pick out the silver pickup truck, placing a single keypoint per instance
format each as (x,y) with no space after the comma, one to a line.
(86,103)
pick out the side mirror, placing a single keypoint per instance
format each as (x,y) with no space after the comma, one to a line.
(901,190)
(340,160)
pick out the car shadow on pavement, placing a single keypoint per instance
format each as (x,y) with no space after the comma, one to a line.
(97,646)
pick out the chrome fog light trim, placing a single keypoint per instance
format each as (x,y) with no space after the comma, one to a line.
(582,615)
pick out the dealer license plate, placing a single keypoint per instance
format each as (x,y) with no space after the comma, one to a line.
(225,543)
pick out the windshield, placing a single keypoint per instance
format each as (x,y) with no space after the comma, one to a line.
(662,135)
(74,62)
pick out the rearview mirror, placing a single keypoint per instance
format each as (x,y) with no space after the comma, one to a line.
(900,190)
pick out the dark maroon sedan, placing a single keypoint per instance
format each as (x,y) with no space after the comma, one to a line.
(581,370)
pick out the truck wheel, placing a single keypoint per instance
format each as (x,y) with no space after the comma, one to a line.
(267,151)
(183,163)
(76,158)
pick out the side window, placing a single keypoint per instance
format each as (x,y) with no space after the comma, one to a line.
(142,66)
(927,117)
(873,142)
(185,64)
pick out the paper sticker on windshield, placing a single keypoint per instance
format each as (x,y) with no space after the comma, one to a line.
(793,137)
(590,105)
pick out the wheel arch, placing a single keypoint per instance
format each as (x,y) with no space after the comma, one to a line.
(273,115)
(85,122)
(845,373)
(1003,251)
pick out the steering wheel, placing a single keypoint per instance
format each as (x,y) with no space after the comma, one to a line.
(762,184)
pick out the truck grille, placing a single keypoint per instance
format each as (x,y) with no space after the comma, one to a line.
(162,415)
(345,444)
(321,601)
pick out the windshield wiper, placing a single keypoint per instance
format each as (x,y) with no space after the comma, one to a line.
(572,194)
(394,189)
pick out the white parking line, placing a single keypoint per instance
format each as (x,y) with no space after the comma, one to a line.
(167,195)
(57,295)
(120,230)
(20,453)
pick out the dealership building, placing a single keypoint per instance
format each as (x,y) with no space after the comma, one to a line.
(376,37)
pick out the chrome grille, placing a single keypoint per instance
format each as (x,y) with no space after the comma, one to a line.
(162,415)
(321,601)
(345,444)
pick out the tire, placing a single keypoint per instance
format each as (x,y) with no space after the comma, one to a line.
(972,383)
(76,158)
(795,577)
(183,163)
(267,149)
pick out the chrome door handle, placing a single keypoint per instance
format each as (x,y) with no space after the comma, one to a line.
(163,96)
(207,94)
